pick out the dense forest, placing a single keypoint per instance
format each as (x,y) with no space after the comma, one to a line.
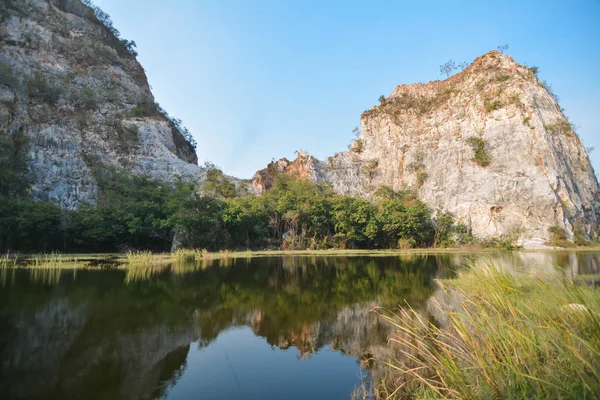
(136,212)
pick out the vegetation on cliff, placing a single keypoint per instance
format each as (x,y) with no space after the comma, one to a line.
(141,213)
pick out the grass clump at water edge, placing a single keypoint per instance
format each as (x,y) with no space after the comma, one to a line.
(6,261)
(500,336)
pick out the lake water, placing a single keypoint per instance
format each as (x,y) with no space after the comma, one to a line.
(260,328)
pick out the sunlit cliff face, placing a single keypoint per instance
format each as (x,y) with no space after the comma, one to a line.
(489,144)
(80,98)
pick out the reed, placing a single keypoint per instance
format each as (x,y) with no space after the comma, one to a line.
(8,261)
(51,260)
(141,258)
(225,254)
(504,337)
(184,255)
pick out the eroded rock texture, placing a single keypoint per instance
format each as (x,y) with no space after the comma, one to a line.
(489,144)
(79,97)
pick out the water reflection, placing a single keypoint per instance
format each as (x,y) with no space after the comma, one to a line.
(233,328)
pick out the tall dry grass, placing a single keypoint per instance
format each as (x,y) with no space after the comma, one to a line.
(6,261)
(506,336)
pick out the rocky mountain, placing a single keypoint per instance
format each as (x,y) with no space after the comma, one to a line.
(73,89)
(489,144)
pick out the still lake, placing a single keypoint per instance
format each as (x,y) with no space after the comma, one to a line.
(289,327)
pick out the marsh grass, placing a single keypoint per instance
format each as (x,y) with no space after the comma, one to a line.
(52,260)
(6,261)
(505,336)
(143,258)
(192,255)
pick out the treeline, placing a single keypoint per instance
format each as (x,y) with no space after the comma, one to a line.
(140,213)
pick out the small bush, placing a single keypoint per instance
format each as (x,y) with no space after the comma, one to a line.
(534,70)
(560,126)
(480,153)
(181,135)
(358,146)
(580,240)
(88,99)
(557,232)
(370,168)
(38,87)
(8,78)
(515,99)
(405,244)
(123,46)
(111,95)
(502,77)
(381,98)
(548,87)
(144,109)
(492,105)
(422,177)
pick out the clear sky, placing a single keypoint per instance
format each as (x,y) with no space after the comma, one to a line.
(256,80)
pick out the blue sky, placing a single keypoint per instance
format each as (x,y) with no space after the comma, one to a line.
(256,80)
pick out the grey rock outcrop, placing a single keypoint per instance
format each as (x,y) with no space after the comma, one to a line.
(490,144)
(78,94)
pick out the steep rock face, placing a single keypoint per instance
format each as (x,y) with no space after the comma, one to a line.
(79,95)
(489,144)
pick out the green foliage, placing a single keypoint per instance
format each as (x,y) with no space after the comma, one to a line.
(492,105)
(39,88)
(560,126)
(381,98)
(370,168)
(548,87)
(557,232)
(535,70)
(502,77)
(358,146)
(123,46)
(88,99)
(417,103)
(507,242)
(515,99)
(181,135)
(415,166)
(146,108)
(421,178)
(216,183)
(480,154)
(559,237)
(136,212)
(8,78)
(443,227)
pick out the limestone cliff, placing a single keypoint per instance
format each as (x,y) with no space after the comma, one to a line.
(77,93)
(490,144)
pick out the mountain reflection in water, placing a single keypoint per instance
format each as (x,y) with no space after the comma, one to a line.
(271,327)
